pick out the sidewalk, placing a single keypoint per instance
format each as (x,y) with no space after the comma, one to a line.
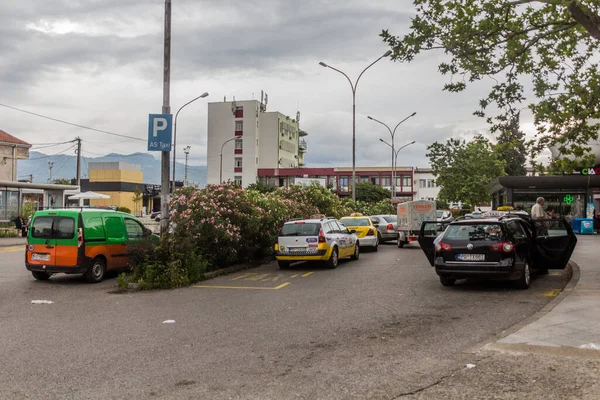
(10,242)
(575,321)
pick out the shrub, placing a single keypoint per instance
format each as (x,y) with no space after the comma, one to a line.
(124,209)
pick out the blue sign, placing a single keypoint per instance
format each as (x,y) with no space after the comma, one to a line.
(160,130)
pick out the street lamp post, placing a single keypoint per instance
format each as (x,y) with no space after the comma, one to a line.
(175,135)
(221,166)
(395,154)
(392,133)
(353,87)
(186,150)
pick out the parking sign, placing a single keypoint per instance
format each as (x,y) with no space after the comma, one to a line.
(160,127)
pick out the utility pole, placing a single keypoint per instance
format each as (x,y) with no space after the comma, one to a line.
(166,109)
(186,150)
(78,151)
(50,165)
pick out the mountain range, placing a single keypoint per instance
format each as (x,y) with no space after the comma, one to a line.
(65,166)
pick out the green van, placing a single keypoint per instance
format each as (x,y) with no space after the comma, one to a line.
(81,241)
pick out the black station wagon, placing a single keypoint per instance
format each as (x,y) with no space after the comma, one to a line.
(505,248)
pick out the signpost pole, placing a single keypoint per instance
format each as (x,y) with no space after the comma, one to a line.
(166,109)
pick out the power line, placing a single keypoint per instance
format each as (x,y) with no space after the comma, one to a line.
(35,148)
(55,154)
(71,123)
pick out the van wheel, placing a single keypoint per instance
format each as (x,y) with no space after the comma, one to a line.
(525,279)
(356,252)
(95,273)
(41,275)
(400,243)
(283,264)
(333,259)
(447,281)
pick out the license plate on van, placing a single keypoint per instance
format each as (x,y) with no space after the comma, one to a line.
(470,257)
(40,257)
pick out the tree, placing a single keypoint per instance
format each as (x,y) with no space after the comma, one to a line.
(511,148)
(552,42)
(371,193)
(464,170)
(261,187)
(137,198)
(62,181)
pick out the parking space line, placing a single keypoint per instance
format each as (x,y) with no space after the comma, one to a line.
(552,293)
(293,276)
(258,278)
(242,287)
(243,276)
(306,274)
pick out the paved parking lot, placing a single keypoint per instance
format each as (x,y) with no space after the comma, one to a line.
(376,327)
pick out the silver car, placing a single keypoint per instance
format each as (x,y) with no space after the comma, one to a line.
(386,226)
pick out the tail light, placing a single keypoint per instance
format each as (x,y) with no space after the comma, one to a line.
(79,237)
(370,233)
(390,227)
(442,247)
(321,236)
(505,247)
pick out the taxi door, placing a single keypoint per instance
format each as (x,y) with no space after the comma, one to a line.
(430,231)
(554,242)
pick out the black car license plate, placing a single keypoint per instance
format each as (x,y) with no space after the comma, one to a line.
(470,257)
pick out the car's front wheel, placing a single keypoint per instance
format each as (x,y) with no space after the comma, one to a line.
(356,252)
(525,280)
(283,264)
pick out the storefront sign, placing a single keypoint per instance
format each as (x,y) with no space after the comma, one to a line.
(590,171)
(569,199)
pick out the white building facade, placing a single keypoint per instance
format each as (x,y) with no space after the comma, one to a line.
(424,184)
(242,137)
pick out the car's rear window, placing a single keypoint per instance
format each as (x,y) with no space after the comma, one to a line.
(473,232)
(356,221)
(300,229)
(53,228)
(390,219)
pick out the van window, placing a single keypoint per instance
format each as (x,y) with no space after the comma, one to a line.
(53,228)
(94,229)
(114,227)
(134,229)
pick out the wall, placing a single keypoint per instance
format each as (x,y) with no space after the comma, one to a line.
(116,176)
(8,161)
(119,199)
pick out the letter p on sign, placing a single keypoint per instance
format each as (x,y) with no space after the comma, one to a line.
(159,132)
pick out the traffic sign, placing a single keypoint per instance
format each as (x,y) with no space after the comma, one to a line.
(160,129)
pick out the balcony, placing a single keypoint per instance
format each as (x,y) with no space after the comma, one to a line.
(239,133)
(302,145)
(302,133)
(237,169)
(239,113)
(239,151)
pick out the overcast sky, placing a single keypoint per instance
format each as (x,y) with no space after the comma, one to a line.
(99,63)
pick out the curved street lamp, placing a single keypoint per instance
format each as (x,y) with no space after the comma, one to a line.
(392,133)
(395,154)
(221,165)
(175,135)
(353,87)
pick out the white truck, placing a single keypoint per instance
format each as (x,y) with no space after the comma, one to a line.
(410,217)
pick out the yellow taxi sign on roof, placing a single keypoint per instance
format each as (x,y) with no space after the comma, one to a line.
(356,214)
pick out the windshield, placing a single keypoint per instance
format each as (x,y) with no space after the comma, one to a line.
(300,229)
(390,219)
(489,232)
(356,222)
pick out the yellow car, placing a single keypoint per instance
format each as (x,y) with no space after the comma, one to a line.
(365,230)
(316,239)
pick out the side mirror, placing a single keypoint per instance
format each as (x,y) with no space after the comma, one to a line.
(376,225)
(147,232)
(353,231)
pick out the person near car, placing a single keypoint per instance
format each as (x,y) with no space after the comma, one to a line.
(537,211)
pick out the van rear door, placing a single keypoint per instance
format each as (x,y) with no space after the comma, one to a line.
(41,245)
(65,239)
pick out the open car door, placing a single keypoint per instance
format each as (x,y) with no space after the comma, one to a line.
(430,230)
(554,242)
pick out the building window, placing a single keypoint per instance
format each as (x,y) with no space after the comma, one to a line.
(343,183)
(422,183)
(430,183)
(406,181)
(238,162)
(237,180)
(239,144)
(375,180)
(239,126)
(239,112)
(257,160)
(386,181)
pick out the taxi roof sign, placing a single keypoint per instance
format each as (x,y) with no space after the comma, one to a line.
(356,214)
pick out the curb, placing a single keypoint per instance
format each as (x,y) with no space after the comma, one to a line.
(3,245)
(574,271)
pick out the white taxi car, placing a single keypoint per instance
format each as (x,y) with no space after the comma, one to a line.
(316,239)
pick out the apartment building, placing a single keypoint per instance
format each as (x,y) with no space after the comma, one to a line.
(243,138)
(425,186)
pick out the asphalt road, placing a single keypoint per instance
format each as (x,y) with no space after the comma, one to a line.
(374,328)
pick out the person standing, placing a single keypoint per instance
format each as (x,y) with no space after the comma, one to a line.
(537,211)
